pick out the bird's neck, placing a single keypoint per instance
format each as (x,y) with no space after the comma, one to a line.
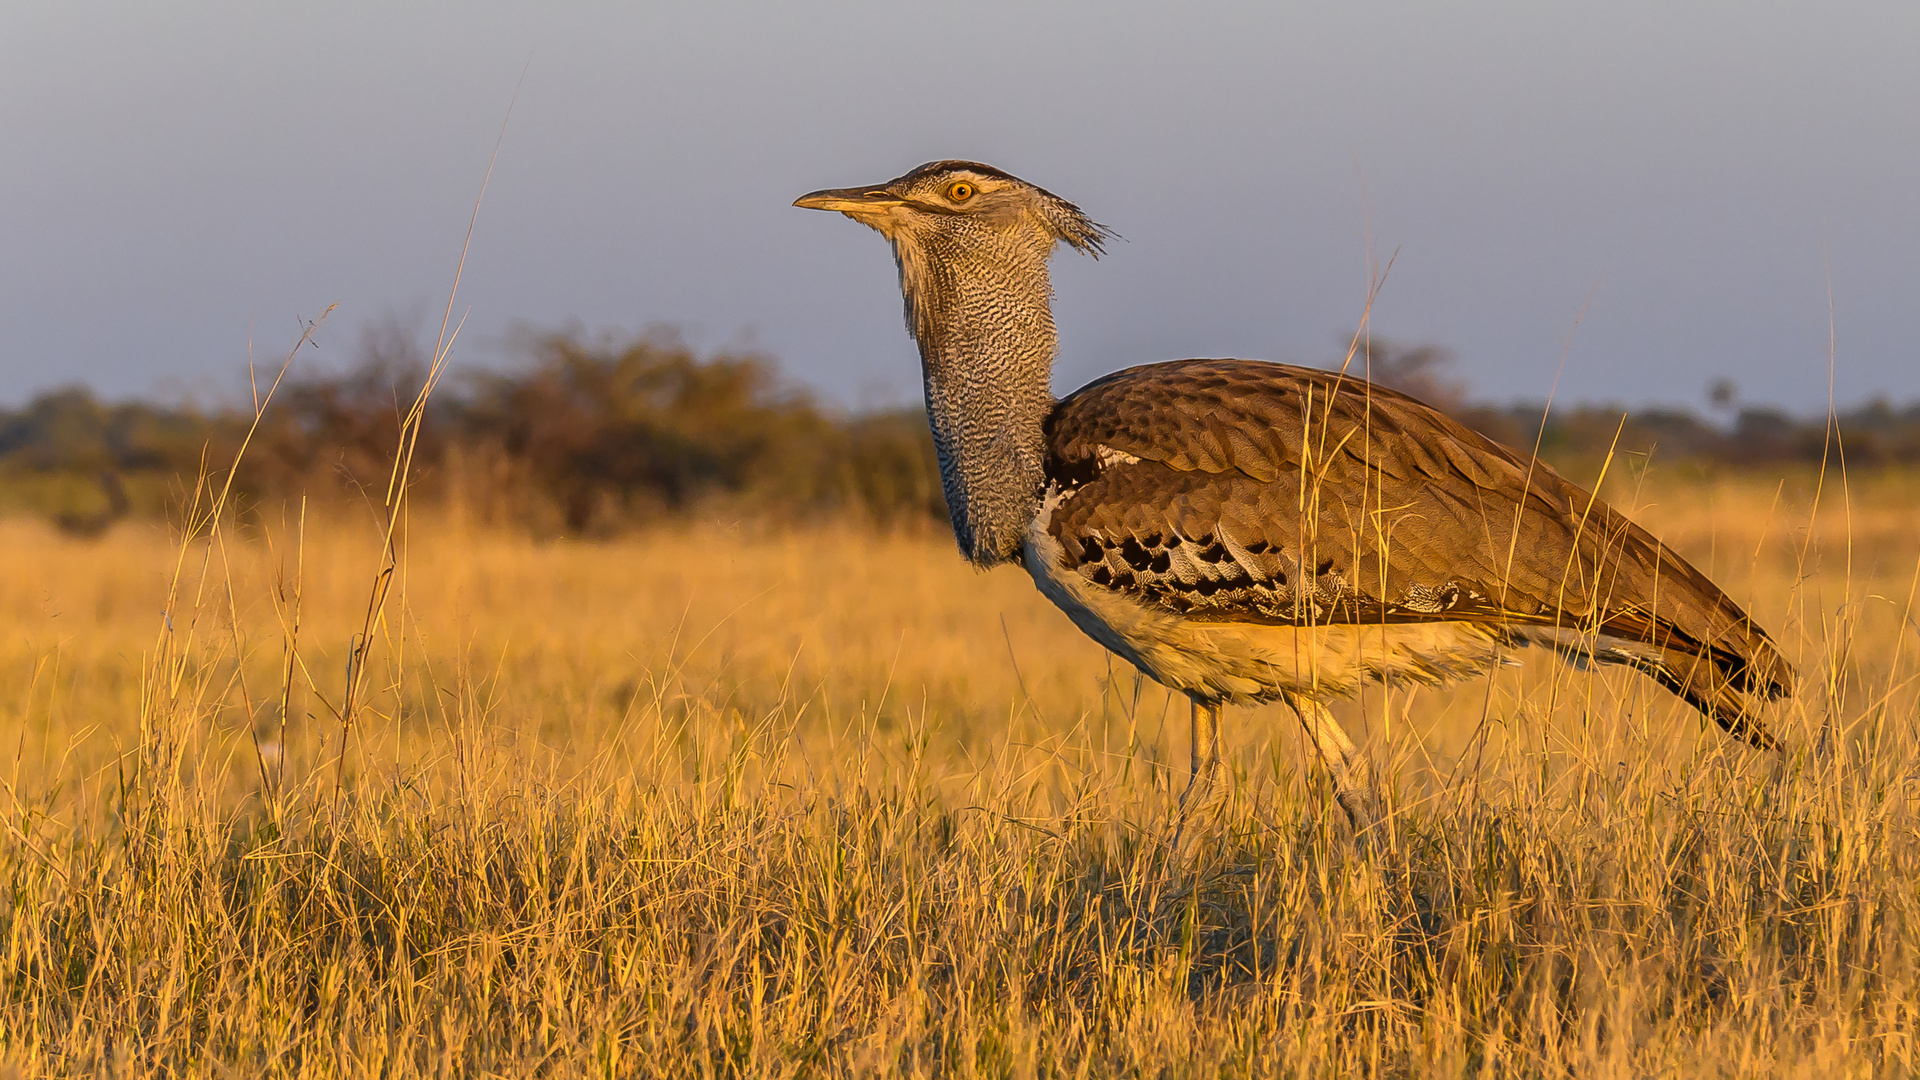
(985,329)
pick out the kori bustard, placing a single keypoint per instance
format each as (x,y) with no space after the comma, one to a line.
(1247,532)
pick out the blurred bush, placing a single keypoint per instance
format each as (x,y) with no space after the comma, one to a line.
(596,435)
(589,435)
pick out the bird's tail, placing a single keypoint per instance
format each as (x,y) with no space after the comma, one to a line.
(1721,686)
(1730,681)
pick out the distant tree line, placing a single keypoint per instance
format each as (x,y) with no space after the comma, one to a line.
(591,435)
(585,436)
(1576,437)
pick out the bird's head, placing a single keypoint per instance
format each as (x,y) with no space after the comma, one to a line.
(965,206)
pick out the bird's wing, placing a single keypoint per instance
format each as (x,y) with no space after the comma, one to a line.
(1236,490)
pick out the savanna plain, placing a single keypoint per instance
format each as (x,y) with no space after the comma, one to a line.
(735,800)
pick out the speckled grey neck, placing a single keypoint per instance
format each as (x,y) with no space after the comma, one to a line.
(982,316)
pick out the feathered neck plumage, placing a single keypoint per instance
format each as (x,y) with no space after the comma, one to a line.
(984,322)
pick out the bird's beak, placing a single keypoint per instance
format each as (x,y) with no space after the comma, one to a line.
(851,200)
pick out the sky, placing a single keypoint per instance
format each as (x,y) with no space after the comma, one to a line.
(1612,202)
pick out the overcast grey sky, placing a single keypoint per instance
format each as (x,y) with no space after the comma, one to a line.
(178,178)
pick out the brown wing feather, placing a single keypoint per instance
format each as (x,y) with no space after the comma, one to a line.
(1245,491)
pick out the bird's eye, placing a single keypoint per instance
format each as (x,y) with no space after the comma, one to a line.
(959,191)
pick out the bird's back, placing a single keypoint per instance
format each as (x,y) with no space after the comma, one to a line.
(1249,493)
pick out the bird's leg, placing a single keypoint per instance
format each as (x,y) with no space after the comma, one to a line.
(1204,754)
(1204,758)
(1352,775)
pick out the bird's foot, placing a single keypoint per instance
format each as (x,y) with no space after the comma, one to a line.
(1203,792)
(1362,807)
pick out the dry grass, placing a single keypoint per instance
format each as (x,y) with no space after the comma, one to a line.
(723,802)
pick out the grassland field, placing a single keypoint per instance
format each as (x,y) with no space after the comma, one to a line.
(731,800)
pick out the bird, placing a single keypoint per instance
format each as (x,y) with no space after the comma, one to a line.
(1244,531)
